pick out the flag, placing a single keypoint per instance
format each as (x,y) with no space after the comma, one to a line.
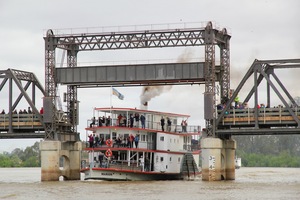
(118,94)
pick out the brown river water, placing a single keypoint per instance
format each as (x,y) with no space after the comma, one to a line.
(250,183)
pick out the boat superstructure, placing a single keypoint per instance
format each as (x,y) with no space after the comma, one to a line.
(136,144)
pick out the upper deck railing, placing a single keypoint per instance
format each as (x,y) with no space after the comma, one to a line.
(150,125)
(267,118)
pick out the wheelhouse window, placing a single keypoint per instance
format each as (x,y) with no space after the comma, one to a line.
(162,138)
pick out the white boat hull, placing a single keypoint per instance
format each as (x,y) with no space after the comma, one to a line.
(127,175)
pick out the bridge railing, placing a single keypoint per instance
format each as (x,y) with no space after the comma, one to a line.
(278,115)
(20,121)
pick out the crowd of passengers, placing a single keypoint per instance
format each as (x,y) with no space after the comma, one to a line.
(130,141)
(133,121)
(24,111)
(241,105)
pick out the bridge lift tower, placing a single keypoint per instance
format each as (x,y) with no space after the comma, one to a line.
(73,43)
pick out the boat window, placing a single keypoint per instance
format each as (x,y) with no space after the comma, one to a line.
(170,159)
(143,138)
(162,138)
(161,159)
(107,136)
(170,140)
(114,135)
(178,159)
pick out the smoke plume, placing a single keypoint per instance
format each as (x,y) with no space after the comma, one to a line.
(150,92)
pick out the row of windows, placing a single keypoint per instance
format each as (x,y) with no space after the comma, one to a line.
(162,159)
(185,139)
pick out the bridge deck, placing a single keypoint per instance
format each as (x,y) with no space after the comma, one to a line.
(20,121)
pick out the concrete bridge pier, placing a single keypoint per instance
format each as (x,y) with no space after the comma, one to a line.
(51,154)
(218,159)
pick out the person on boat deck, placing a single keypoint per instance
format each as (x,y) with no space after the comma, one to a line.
(100,157)
(117,142)
(131,120)
(126,142)
(123,142)
(103,120)
(93,122)
(120,120)
(136,141)
(91,140)
(183,125)
(169,123)
(143,119)
(131,139)
(162,123)
(3,111)
(137,119)
(108,121)
(147,164)
(141,160)
(99,121)
(97,140)
(124,119)
(101,141)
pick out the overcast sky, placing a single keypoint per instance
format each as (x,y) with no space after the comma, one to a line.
(268,29)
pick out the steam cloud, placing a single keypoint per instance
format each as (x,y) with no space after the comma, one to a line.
(150,92)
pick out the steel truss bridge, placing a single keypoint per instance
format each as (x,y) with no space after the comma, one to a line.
(207,36)
(283,119)
(57,125)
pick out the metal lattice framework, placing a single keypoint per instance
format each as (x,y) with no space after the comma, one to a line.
(265,70)
(23,80)
(73,43)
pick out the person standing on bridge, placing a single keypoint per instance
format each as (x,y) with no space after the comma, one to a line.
(236,101)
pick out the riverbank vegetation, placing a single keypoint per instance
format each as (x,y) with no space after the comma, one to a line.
(269,150)
(29,157)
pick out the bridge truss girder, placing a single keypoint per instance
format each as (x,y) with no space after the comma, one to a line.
(264,69)
(23,80)
(205,36)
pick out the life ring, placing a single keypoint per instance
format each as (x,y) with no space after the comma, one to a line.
(108,153)
(109,142)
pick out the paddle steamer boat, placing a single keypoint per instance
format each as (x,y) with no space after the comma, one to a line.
(133,144)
